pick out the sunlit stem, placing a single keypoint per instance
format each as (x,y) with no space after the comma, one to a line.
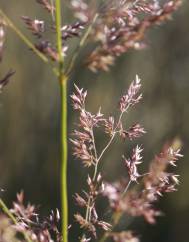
(64,145)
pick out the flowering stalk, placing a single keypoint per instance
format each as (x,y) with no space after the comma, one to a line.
(64,156)
(85,149)
(155,182)
(63,123)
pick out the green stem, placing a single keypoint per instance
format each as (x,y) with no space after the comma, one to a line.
(64,157)
(11,216)
(58,32)
(63,118)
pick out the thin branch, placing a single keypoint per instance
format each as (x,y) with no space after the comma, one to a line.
(111,139)
(106,147)
(88,209)
(96,156)
(126,188)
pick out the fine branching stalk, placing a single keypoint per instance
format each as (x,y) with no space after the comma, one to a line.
(96,173)
(63,123)
(136,203)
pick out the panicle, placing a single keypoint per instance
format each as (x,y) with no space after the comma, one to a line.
(154,184)
(78,98)
(39,27)
(158,166)
(36,26)
(72,30)
(104,225)
(174,156)
(86,225)
(124,236)
(47,5)
(84,146)
(28,221)
(45,47)
(82,152)
(132,97)
(135,131)
(109,125)
(80,201)
(122,26)
(132,163)
(81,10)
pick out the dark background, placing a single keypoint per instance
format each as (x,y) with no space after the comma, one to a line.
(29,114)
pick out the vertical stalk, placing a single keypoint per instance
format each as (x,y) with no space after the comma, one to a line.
(64,154)
(63,123)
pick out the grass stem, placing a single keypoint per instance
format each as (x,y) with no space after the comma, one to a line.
(64,158)
(63,123)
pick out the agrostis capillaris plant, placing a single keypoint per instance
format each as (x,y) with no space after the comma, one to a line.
(111,28)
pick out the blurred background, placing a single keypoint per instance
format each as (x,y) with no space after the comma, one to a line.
(29,118)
